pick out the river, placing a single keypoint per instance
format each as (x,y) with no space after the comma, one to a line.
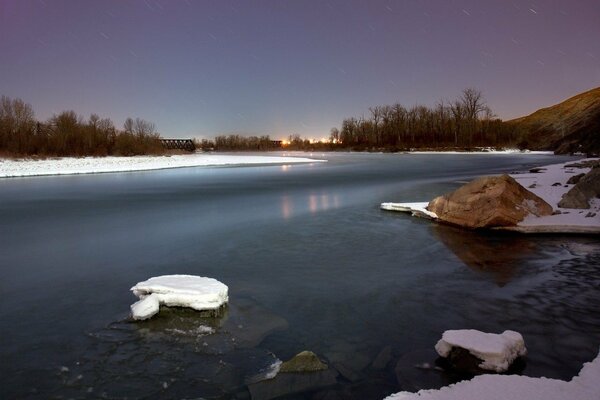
(311,262)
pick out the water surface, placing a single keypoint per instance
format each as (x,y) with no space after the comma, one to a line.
(311,263)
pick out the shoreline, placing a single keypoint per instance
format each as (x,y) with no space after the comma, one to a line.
(549,182)
(21,168)
(55,166)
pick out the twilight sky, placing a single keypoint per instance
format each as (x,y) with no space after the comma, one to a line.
(202,68)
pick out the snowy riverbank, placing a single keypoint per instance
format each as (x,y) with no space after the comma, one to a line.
(585,386)
(550,183)
(10,168)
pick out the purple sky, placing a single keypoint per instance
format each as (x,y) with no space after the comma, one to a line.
(202,68)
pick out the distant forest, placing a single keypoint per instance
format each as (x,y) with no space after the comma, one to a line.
(68,134)
(464,123)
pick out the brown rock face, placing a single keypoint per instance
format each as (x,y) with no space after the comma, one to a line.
(587,188)
(489,202)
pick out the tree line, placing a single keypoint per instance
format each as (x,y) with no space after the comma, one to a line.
(67,134)
(465,122)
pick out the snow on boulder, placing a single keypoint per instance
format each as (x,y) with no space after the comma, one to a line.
(199,293)
(496,352)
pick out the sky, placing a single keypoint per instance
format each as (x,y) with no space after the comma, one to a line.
(205,68)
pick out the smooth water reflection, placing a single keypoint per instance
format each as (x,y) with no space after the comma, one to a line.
(311,262)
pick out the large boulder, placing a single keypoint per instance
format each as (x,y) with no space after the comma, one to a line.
(493,201)
(587,188)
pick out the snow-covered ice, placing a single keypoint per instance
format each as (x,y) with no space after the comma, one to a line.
(90,165)
(543,184)
(497,351)
(416,209)
(191,291)
(483,150)
(145,308)
(585,386)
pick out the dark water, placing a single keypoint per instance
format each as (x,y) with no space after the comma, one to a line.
(311,263)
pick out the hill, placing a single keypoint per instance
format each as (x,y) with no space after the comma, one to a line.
(570,126)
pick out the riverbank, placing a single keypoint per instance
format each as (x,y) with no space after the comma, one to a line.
(550,183)
(584,386)
(12,168)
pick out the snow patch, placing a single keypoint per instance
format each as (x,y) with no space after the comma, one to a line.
(10,168)
(497,351)
(191,291)
(585,386)
(543,184)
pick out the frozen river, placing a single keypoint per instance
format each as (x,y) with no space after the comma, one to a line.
(311,262)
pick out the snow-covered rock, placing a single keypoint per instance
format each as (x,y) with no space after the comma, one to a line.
(551,184)
(585,386)
(191,291)
(496,351)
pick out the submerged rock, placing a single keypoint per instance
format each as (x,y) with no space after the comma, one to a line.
(306,361)
(587,188)
(488,202)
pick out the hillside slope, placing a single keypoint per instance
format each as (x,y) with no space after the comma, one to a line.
(570,126)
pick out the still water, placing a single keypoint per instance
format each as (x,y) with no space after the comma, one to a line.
(311,264)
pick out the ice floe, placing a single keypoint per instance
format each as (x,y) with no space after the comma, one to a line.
(418,209)
(497,351)
(585,386)
(196,292)
(91,165)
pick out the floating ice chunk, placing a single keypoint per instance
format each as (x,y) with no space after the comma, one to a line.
(498,351)
(191,291)
(146,308)
(416,209)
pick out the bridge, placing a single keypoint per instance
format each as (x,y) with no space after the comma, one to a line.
(178,144)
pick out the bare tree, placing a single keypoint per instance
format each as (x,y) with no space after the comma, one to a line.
(144,128)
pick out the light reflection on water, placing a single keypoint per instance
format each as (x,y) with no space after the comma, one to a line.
(311,262)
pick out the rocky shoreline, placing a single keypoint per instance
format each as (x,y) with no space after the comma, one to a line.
(558,198)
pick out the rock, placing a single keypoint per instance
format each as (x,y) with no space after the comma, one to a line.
(537,170)
(556,212)
(574,179)
(472,351)
(348,373)
(488,202)
(532,186)
(306,361)
(586,189)
(412,374)
(556,184)
(291,383)
(383,358)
